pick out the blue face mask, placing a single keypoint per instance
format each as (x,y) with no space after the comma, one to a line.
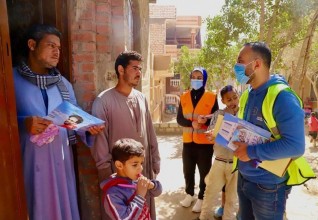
(196,83)
(239,70)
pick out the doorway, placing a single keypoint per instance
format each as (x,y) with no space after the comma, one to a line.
(39,11)
(16,16)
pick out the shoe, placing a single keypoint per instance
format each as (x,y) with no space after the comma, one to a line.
(197,206)
(187,201)
(218,213)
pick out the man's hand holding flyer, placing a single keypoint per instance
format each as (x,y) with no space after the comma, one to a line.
(72,117)
(235,129)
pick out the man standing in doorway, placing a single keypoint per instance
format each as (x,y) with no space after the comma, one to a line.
(49,176)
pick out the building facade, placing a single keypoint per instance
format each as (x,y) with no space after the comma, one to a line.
(168,33)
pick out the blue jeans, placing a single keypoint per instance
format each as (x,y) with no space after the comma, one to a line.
(261,201)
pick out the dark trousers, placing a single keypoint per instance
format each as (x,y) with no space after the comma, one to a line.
(196,154)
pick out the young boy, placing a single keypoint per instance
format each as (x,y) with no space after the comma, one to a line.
(220,174)
(313,128)
(124,192)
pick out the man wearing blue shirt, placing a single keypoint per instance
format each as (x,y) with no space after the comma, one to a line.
(262,195)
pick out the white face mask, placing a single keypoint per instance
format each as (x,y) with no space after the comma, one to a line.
(196,83)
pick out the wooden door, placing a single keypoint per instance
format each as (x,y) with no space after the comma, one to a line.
(15,17)
(12,195)
(53,12)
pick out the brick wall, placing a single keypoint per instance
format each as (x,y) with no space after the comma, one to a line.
(162,11)
(89,37)
(97,39)
(83,37)
(99,32)
(141,42)
(157,37)
(158,15)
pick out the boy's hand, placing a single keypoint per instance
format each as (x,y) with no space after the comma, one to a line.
(151,185)
(209,135)
(142,186)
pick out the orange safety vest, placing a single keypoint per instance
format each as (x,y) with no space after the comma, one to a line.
(203,107)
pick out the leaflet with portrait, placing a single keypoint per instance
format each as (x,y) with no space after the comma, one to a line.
(235,129)
(72,117)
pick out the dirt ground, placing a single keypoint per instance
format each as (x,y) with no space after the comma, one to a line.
(302,202)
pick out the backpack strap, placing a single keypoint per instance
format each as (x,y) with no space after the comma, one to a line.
(111,183)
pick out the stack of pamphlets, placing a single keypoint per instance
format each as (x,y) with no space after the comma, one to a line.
(232,129)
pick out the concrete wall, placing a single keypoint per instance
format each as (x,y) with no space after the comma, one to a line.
(167,128)
(141,41)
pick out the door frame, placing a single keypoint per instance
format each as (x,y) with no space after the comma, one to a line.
(12,193)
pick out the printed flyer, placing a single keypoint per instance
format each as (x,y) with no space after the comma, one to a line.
(72,117)
(235,129)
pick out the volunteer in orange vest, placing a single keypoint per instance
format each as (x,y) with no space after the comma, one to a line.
(197,150)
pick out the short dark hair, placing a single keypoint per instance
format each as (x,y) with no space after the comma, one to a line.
(126,148)
(226,89)
(124,58)
(79,118)
(37,33)
(263,50)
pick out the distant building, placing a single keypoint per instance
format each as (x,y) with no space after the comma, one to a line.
(168,33)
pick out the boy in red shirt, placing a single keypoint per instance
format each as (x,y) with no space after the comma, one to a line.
(313,128)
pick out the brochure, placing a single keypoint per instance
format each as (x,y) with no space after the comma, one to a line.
(217,125)
(235,129)
(72,117)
